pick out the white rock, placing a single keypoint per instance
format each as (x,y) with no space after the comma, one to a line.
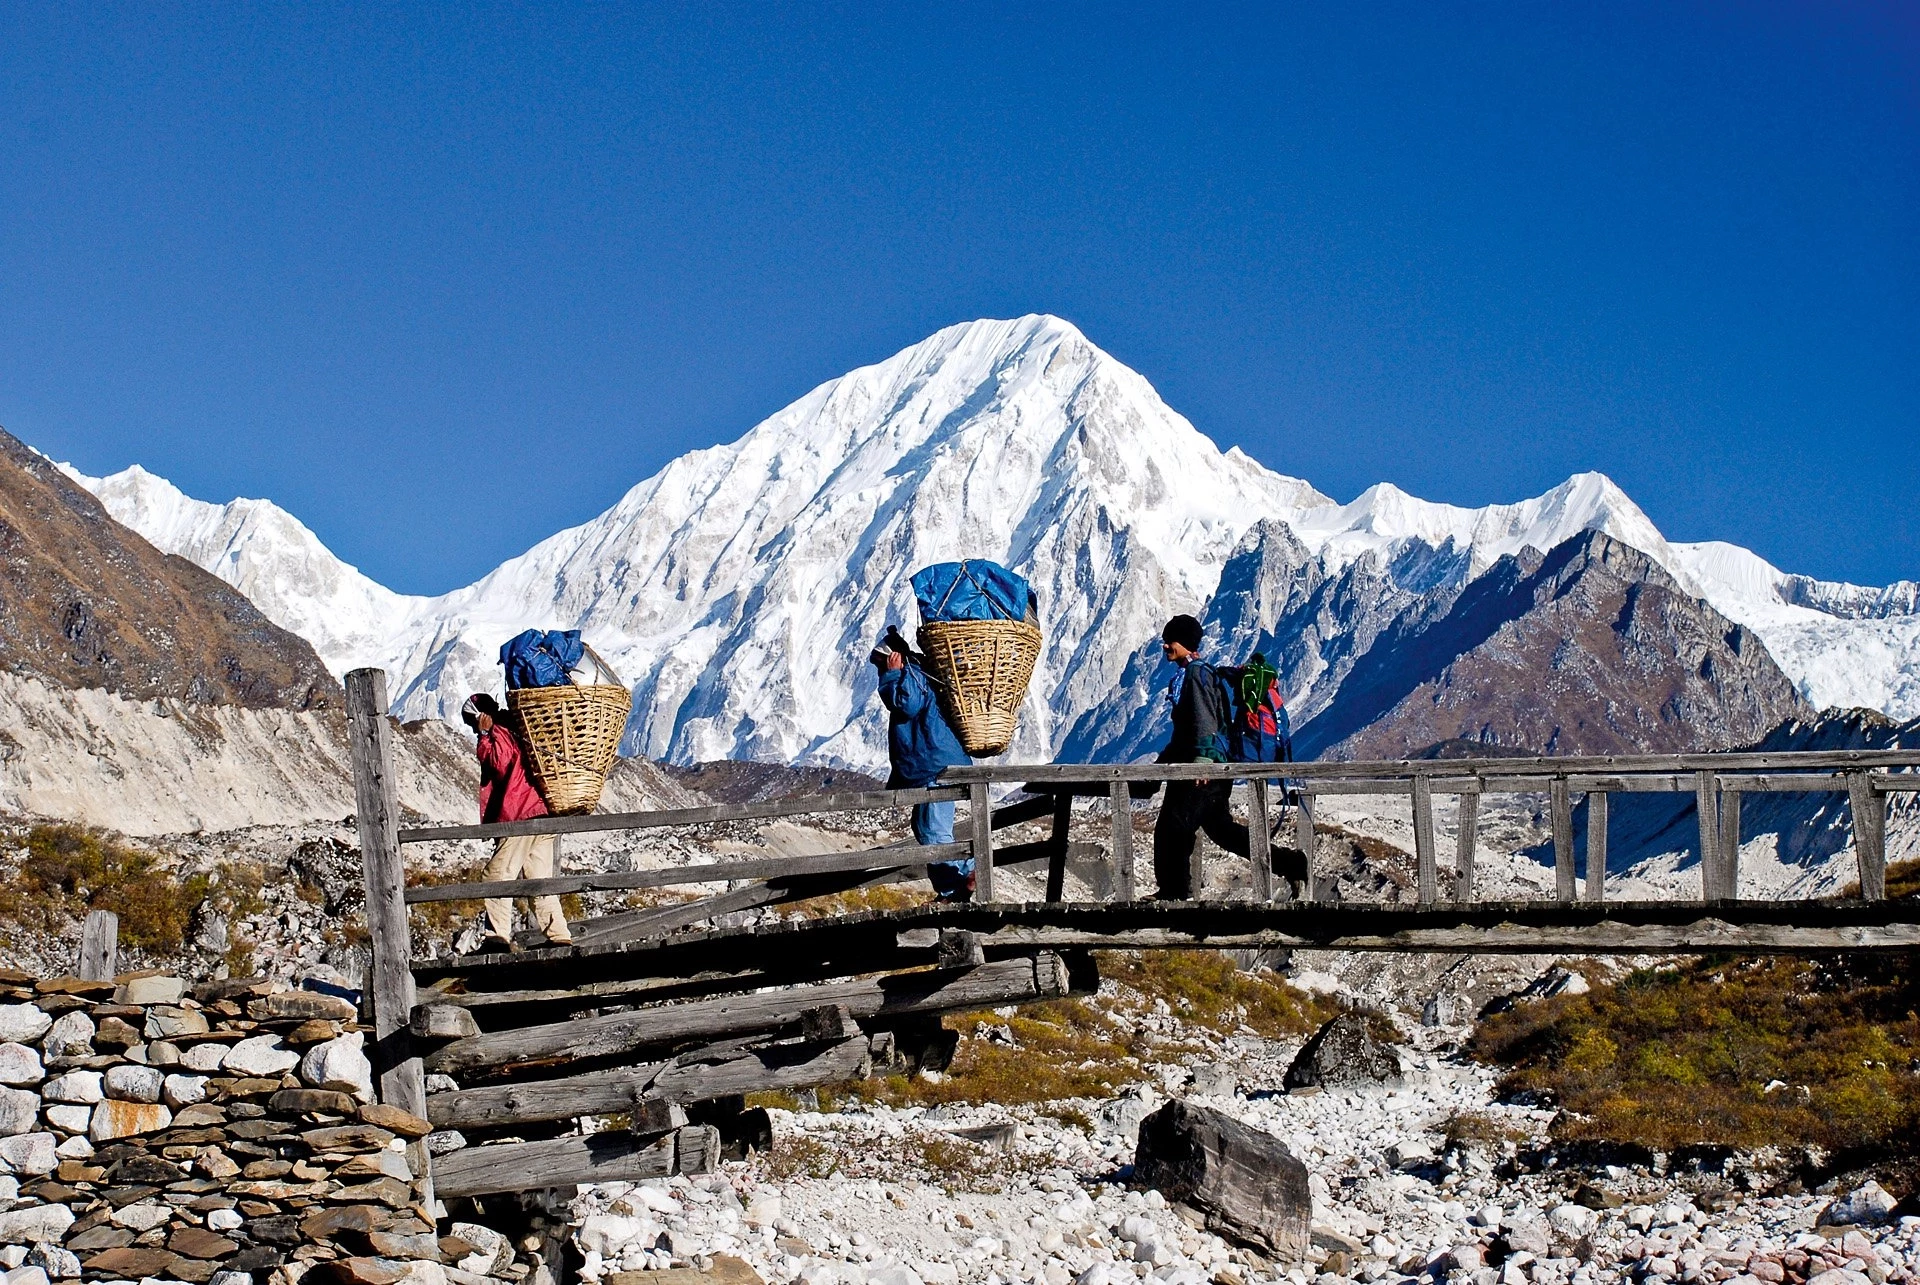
(152,990)
(893,1275)
(654,1198)
(129,1082)
(183,1090)
(75,1086)
(339,1064)
(142,1216)
(764,1209)
(75,1148)
(11,1256)
(23,1023)
(31,1154)
(231,1278)
(1573,1220)
(20,1065)
(69,1117)
(31,1275)
(225,1219)
(261,1055)
(492,1251)
(35,1223)
(204,1058)
(71,1035)
(1865,1205)
(61,1264)
(607,1234)
(9,1190)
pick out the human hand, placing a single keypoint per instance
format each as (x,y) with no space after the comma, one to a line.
(895,661)
(483,723)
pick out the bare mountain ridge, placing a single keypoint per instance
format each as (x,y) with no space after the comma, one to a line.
(87,603)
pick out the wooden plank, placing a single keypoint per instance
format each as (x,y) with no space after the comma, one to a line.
(1259,841)
(675,876)
(1009,981)
(1869,836)
(99,947)
(1561,802)
(1785,761)
(1057,863)
(1891,781)
(865,801)
(1466,840)
(1729,849)
(1597,845)
(1706,800)
(1303,839)
(980,805)
(1120,845)
(377,814)
(765,1069)
(656,921)
(1426,864)
(612,1156)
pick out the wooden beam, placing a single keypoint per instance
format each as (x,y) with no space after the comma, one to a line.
(1466,840)
(1120,848)
(1010,981)
(1426,864)
(656,921)
(771,1067)
(99,946)
(613,1156)
(808,804)
(1303,838)
(981,805)
(377,814)
(1869,836)
(1706,801)
(1729,848)
(1057,862)
(1563,871)
(1259,841)
(706,872)
(1597,845)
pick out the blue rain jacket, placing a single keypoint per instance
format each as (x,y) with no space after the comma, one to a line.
(919,742)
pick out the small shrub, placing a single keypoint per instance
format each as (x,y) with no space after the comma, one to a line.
(1206,988)
(69,870)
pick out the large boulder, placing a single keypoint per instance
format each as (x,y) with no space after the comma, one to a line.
(1243,1181)
(1346,1053)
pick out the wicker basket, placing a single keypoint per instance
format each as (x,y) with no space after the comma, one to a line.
(570,734)
(980,669)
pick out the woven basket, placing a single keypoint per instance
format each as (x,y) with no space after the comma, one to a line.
(570,734)
(980,670)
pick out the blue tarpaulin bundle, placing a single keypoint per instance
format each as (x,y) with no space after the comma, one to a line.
(541,659)
(972,590)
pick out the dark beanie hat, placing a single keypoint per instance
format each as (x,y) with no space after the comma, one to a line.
(1184,630)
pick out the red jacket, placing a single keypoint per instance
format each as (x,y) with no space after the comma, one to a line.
(505,792)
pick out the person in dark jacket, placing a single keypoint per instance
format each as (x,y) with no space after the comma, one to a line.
(1202,730)
(507,795)
(920,746)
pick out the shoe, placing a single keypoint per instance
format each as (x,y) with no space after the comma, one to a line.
(494,944)
(557,943)
(957,896)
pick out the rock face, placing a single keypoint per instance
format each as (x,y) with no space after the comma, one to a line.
(1345,1053)
(1591,648)
(1245,1182)
(85,602)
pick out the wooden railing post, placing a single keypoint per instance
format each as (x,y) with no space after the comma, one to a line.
(1120,846)
(1706,800)
(377,812)
(1259,841)
(1729,853)
(1465,841)
(980,817)
(1057,862)
(99,946)
(1562,806)
(1869,834)
(1427,866)
(1596,845)
(1303,839)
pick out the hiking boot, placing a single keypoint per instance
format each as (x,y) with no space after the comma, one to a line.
(494,944)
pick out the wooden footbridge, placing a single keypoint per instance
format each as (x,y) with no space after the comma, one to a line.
(657,1021)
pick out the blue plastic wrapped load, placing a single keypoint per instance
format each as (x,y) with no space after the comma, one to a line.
(972,590)
(539,658)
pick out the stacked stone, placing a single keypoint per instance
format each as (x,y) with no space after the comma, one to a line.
(220,1134)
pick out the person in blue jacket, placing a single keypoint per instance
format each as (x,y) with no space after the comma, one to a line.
(919,746)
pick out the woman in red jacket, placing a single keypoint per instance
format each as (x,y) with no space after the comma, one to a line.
(507,795)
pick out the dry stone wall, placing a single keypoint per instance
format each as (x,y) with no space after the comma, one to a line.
(217,1134)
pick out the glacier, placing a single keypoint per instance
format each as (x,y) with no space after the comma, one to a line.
(738,589)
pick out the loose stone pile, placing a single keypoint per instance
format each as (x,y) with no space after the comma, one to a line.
(219,1134)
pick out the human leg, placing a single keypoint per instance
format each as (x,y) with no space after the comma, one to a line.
(1173,839)
(508,854)
(933,824)
(552,920)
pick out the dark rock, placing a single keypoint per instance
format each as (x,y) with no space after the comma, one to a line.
(134,1263)
(329,1223)
(303,1101)
(1244,1182)
(198,1242)
(392,1118)
(103,1236)
(1345,1053)
(280,1229)
(254,1258)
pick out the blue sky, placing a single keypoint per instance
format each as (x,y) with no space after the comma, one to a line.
(444,279)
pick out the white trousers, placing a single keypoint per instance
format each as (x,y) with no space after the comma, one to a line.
(525,856)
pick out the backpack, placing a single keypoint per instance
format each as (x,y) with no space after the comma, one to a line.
(1262,732)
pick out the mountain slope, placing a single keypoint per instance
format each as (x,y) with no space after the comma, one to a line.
(84,602)
(1590,648)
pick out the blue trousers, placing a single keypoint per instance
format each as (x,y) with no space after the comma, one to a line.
(933,823)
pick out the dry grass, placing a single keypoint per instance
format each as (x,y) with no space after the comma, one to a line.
(1903,880)
(1204,988)
(69,870)
(1672,1057)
